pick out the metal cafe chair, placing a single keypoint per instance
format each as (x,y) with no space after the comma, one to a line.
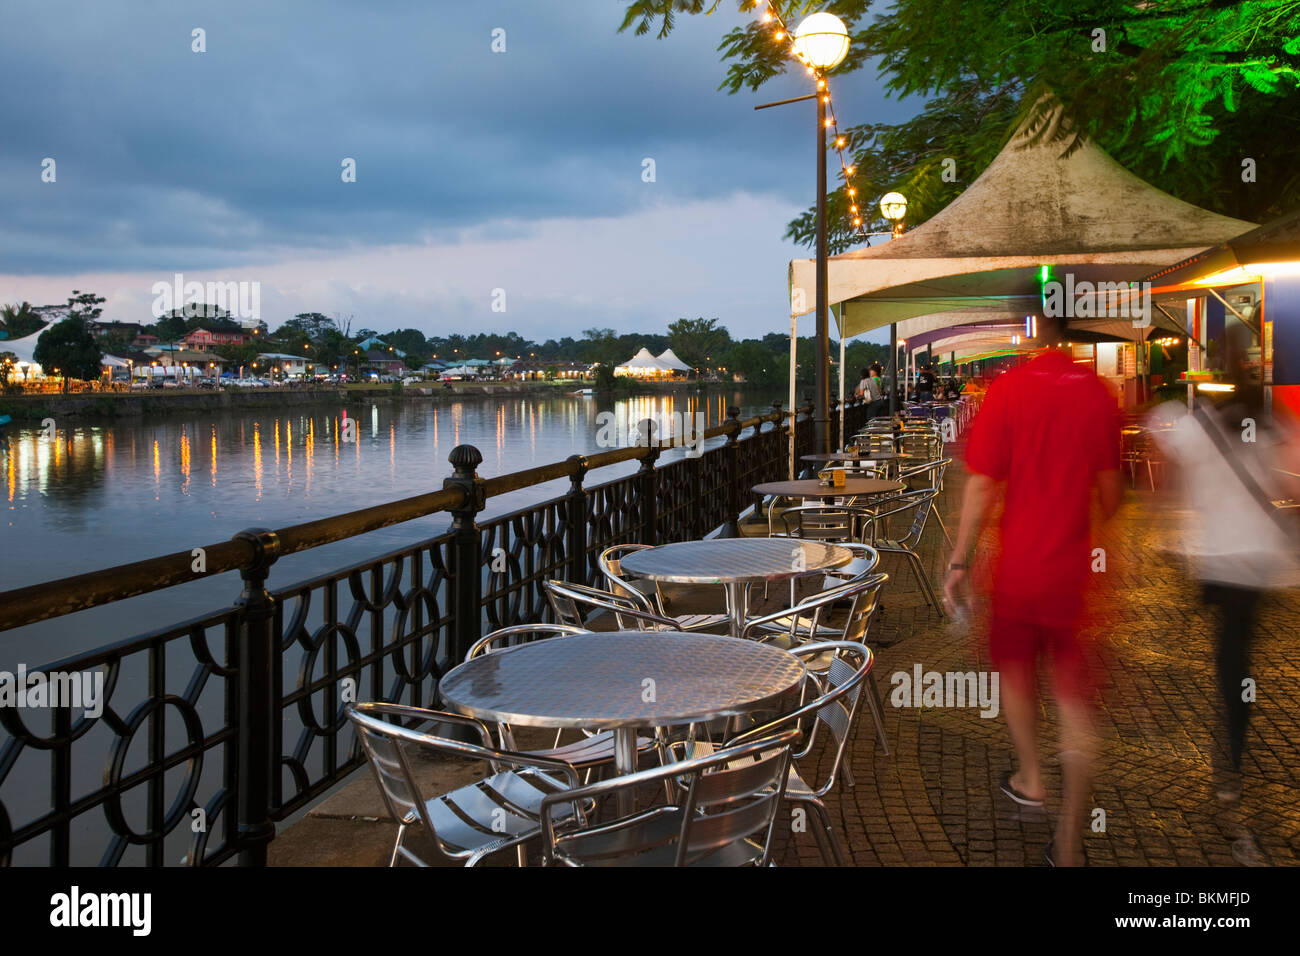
(496,813)
(920,504)
(821,617)
(932,471)
(595,749)
(568,601)
(726,814)
(610,566)
(833,523)
(1140,448)
(836,707)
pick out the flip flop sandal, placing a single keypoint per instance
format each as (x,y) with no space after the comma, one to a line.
(1005,786)
(1049,854)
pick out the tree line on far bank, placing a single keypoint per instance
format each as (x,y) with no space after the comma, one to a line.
(333,344)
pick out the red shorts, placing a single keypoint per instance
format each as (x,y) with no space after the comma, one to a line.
(1016,644)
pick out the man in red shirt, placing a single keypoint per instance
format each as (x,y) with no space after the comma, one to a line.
(1050,430)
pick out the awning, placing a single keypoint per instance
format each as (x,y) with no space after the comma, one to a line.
(1034,205)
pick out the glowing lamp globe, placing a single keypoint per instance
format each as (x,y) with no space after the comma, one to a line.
(821,41)
(893,206)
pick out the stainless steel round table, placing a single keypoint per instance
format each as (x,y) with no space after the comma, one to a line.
(734,562)
(622,681)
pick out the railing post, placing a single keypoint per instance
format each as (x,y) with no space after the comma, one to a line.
(647,477)
(257,761)
(576,508)
(735,495)
(467,561)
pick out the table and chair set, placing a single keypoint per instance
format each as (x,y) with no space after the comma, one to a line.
(689,730)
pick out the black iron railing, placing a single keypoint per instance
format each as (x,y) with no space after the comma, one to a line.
(215,729)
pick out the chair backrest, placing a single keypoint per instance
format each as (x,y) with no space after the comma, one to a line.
(920,516)
(836,707)
(728,797)
(568,600)
(920,502)
(809,613)
(931,471)
(874,442)
(384,746)
(920,443)
(518,634)
(610,563)
(823,522)
(866,601)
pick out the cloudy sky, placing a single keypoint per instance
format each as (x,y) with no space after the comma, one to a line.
(475,170)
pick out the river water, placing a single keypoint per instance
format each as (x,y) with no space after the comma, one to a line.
(99,495)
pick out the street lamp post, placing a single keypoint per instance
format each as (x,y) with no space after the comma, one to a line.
(893,206)
(821,42)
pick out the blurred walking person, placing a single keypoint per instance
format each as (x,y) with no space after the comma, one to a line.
(1048,431)
(1233,463)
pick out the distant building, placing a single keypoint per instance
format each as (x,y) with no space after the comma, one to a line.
(201,338)
(294,366)
(384,362)
(123,331)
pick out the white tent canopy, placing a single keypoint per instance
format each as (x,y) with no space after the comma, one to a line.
(668,359)
(644,360)
(24,348)
(1034,205)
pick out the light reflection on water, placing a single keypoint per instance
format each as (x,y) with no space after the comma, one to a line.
(97,496)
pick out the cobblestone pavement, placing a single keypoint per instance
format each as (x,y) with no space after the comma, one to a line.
(934,799)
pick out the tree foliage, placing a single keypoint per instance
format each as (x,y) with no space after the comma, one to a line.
(69,347)
(699,342)
(20,320)
(1181,92)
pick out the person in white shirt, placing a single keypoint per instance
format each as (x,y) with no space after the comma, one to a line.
(1233,464)
(868,390)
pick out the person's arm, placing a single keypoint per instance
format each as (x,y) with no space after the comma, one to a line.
(1110,492)
(974,506)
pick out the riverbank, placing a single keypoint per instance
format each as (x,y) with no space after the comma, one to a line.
(154,403)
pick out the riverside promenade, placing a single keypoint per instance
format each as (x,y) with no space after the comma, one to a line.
(933,801)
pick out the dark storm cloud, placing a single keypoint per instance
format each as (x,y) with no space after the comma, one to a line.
(167,156)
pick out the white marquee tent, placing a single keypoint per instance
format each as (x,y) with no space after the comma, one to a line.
(642,364)
(25,349)
(669,359)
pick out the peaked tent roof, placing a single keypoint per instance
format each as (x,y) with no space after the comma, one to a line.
(669,359)
(644,359)
(1032,206)
(25,347)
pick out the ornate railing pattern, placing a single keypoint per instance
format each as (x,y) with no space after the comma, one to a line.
(217,728)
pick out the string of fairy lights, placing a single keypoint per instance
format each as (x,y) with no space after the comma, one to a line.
(771,15)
